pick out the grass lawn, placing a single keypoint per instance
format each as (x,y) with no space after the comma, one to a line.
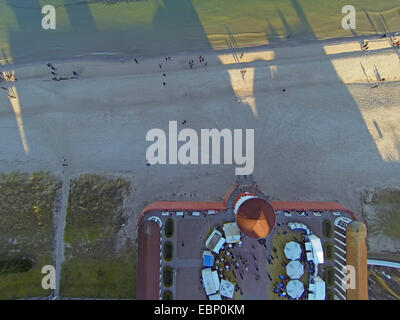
(276,268)
(328,250)
(387,206)
(27,202)
(99,262)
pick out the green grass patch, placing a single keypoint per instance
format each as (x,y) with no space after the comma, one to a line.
(100,261)
(328,251)
(112,278)
(27,203)
(276,268)
(169,228)
(387,207)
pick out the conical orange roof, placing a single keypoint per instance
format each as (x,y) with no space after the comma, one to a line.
(256,218)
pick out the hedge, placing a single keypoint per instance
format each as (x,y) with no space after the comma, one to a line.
(168,277)
(169,228)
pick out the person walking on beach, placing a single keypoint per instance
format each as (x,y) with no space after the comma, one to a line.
(51,66)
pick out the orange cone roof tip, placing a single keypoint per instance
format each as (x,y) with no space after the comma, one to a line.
(255,217)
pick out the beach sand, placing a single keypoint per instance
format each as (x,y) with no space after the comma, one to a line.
(327,137)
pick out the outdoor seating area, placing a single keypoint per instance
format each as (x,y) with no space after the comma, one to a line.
(218,278)
(304,256)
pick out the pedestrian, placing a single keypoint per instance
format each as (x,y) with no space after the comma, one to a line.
(163,84)
(136,60)
(160,65)
(51,66)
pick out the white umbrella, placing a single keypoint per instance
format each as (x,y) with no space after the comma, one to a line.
(294,289)
(295,269)
(292,250)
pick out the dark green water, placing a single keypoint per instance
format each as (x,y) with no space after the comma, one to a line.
(158,27)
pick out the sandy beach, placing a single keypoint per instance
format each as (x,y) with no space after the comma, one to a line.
(328,136)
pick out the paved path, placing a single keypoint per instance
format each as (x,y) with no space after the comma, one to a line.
(383,263)
(59,237)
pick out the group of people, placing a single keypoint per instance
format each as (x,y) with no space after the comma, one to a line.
(55,77)
(160,66)
(201,61)
(271,257)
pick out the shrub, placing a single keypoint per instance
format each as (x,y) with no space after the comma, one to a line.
(15,266)
(329,276)
(327,229)
(169,228)
(168,251)
(328,251)
(168,277)
(329,295)
(167,295)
